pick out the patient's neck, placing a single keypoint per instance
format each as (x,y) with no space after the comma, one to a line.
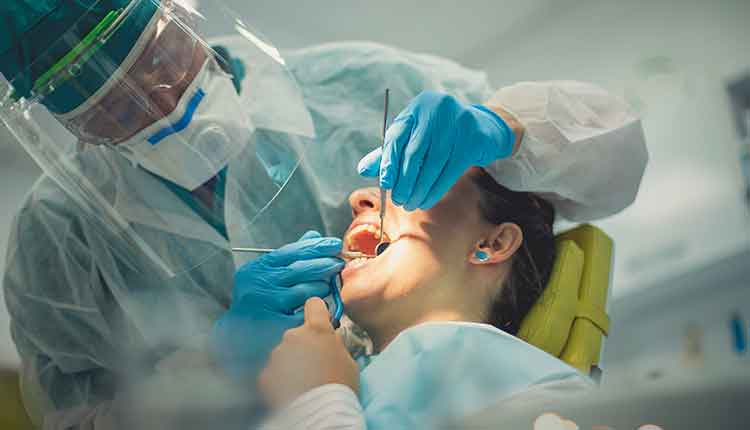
(383,334)
(435,299)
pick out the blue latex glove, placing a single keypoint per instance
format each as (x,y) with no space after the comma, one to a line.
(266,294)
(431,144)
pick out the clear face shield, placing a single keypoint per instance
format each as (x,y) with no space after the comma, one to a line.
(180,142)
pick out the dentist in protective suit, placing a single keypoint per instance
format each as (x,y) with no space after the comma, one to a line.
(160,151)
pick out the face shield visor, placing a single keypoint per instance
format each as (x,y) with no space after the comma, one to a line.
(159,137)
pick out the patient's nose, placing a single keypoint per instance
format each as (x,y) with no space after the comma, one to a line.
(365,200)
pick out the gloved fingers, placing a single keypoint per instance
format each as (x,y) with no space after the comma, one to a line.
(396,139)
(412,163)
(453,170)
(295,296)
(317,269)
(436,161)
(310,234)
(305,249)
(245,283)
(369,165)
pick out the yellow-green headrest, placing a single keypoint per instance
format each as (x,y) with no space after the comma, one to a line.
(12,413)
(570,319)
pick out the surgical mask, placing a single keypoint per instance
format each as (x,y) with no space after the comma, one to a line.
(199,138)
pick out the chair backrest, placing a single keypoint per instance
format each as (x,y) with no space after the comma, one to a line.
(12,412)
(570,320)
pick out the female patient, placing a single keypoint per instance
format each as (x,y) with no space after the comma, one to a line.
(441,306)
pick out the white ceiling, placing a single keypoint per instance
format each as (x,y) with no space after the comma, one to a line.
(444,27)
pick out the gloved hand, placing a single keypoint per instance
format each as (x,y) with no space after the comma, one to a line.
(266,294)
(431,144)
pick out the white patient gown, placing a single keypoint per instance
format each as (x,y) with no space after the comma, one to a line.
(431,376)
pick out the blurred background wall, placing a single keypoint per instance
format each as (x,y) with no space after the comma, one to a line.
(682,248)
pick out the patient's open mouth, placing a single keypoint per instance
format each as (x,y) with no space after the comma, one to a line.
(363,238)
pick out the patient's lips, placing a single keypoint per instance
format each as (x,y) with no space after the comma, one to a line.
(361,238)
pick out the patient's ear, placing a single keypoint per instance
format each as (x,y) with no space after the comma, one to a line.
(501,242)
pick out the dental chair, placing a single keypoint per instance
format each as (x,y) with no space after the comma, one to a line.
(570,319)
(12,412)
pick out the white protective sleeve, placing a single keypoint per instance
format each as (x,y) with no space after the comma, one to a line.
(328,407)
(582,150)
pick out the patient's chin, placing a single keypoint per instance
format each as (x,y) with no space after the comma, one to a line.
(355,290)
(360,291)
(361,307)
(360,272)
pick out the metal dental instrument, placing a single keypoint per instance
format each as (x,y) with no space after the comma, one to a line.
(382,246)
(346,254)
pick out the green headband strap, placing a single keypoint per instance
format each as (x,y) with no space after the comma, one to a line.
(105,47)
(84,50)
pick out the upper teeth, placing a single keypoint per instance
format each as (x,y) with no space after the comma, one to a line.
(371,228)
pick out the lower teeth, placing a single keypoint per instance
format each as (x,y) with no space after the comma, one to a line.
(358,261)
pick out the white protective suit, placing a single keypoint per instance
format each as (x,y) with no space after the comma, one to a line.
(103,341)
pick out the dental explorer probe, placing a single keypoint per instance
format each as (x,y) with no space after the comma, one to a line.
(345,254)
(382,246)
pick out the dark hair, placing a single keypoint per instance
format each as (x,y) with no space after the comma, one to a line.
(532,264)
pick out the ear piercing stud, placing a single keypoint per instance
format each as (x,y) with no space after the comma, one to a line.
(481,255)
